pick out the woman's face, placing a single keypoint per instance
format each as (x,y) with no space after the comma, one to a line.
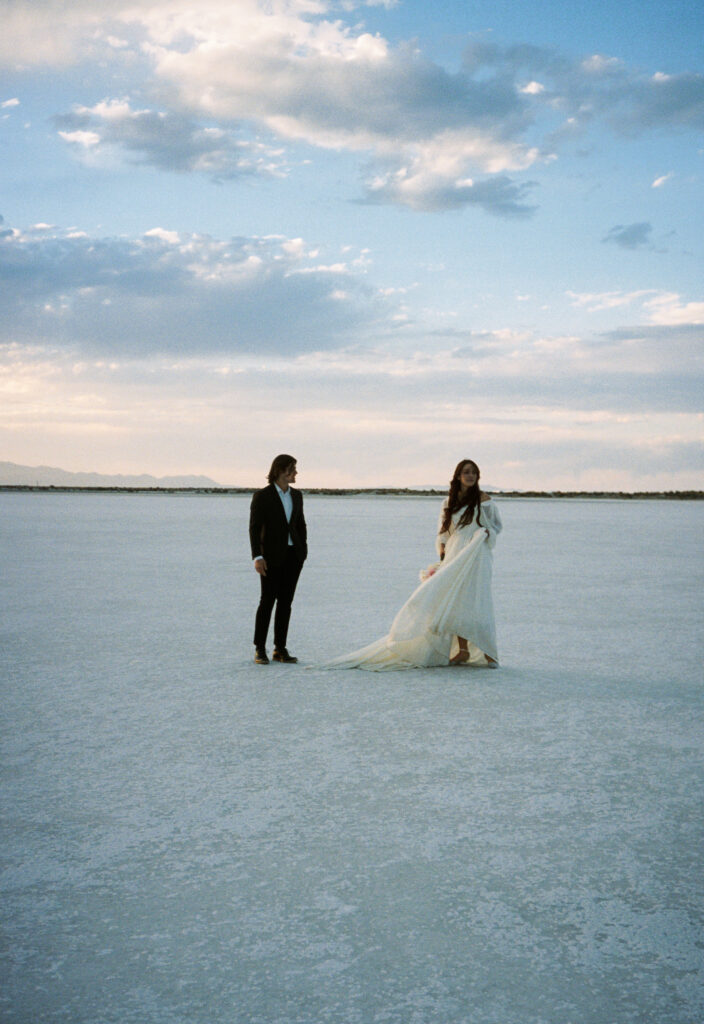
(468,476)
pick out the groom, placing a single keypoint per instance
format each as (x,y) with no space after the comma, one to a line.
(278,535)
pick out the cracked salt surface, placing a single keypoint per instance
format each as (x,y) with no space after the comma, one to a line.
(192,838)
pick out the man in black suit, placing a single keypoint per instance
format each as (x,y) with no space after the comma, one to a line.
(278,535)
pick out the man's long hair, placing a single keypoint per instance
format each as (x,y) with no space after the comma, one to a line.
(471,501)
(280,464)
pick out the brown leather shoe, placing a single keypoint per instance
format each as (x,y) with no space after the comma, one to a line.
(260,656)
(284,656)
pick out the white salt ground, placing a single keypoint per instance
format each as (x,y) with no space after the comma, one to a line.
(192,838)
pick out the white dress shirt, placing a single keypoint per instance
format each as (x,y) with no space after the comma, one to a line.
(287,502)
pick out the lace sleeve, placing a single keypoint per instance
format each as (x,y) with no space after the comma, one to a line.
(441,537)
(492,518)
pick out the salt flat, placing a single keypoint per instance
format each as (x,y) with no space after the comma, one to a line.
(189,837)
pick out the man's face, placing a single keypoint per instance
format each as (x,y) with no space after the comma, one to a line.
(290,473)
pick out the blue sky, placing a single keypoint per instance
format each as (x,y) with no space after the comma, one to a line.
(382,236)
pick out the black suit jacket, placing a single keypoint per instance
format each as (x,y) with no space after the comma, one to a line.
(268,529)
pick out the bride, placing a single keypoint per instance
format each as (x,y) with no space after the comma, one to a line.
(449,619)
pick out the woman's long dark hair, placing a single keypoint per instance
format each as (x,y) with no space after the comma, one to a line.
(471,501)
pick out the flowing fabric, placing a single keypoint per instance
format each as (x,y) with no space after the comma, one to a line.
(454,602)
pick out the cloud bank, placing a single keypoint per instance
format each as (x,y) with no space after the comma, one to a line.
(166,292)
(431,139)
(193,296)
(196,349)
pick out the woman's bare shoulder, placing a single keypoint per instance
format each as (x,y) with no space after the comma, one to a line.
(485,497)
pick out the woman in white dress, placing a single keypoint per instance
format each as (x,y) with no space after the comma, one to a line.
(449,619)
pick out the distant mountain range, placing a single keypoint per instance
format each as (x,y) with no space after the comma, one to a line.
(14,475)
(49,476)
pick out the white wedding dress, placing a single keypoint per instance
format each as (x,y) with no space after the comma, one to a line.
(455,601)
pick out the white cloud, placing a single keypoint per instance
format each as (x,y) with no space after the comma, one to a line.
(596,301)
(49,32)
(87,140)
(664,308)
(322,83)
(533,89)
(170,141)
(173,292)
(662,180)
(598,64)
(424,191)
(10,103)
(289,69)
(429,132)
(164,235)
(668,310)
(294,69)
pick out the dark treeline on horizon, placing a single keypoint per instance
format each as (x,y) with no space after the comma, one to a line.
(342,491)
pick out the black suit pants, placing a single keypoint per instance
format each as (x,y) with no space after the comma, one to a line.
(278,588)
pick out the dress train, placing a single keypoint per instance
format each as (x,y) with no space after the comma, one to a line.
(454,601)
